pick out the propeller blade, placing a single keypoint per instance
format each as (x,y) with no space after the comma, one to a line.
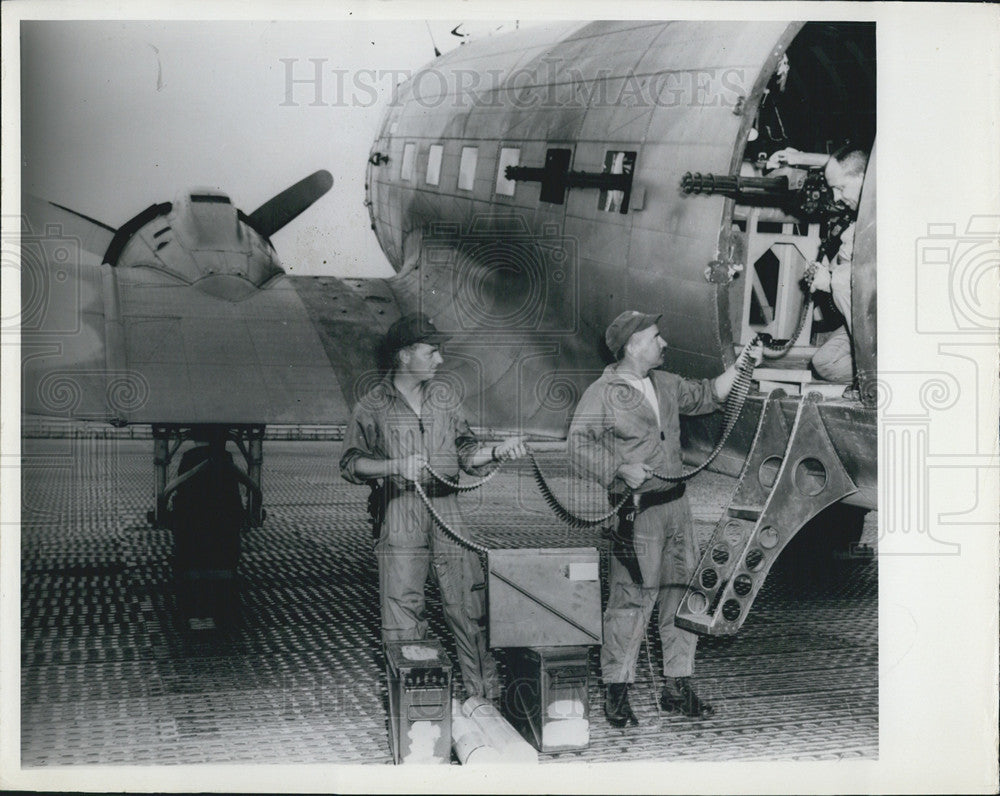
(279,210)
(44,217)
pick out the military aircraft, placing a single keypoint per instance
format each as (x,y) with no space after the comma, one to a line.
(526,188)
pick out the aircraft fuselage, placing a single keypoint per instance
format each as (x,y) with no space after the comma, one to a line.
(527,189)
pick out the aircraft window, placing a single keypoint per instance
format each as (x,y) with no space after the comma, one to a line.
(508,157)
(467,167)
(406,169)
(434,164)
(612,201)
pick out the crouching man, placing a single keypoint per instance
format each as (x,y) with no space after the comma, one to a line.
(625,427)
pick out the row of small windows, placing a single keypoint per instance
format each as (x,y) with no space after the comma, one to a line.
(466,166)
(609,200)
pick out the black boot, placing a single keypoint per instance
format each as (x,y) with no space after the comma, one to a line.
(678,694)
(616,706)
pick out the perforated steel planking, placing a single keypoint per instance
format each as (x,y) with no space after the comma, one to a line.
(300,680)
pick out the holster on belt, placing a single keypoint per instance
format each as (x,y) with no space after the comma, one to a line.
(623,536)
(376,506)
(384,490)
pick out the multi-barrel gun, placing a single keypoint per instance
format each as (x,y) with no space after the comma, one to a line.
(803,193)
(800,192)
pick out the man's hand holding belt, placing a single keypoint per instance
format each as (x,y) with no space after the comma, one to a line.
(410,466)
(635,474)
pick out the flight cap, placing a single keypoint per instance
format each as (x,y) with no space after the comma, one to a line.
(626,325)
(413,328)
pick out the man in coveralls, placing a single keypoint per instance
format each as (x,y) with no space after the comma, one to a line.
(845,174)
(409,420)
(626,426)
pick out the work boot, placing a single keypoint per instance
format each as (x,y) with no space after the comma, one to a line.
(678,694)
(616,706)
(852,393)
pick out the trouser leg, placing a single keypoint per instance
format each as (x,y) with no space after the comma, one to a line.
(680,559)
(403,555)
(834,361)
(463,600)
(630,604)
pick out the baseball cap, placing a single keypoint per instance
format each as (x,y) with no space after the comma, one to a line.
(626,325)
(413,328)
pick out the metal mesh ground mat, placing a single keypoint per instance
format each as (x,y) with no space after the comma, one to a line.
(109,674)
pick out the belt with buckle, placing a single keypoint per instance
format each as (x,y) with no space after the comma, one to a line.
(433,489)
(649,499)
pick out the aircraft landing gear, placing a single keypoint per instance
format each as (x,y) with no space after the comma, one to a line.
(167,440)
(205,508)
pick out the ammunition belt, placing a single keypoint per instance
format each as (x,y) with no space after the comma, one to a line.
(384,491)
(443,524)
(454,483)
(734,406)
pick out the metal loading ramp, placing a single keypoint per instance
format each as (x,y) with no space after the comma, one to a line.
(110,676)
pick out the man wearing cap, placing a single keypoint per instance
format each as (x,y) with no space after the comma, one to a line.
(407,421)
(625,427)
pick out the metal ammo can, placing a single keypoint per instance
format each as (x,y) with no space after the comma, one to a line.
(419,680)
(548,696)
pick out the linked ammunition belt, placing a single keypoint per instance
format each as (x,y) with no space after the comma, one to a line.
(734,406)
(838,222)
(443,524)
(563,513)
(744,375)
(455,485)
(778,350)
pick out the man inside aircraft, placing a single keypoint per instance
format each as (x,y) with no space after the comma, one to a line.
(408,422)
(845,174)
(625,428)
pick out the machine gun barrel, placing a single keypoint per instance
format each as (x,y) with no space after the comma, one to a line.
(736,187)
(804,194)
